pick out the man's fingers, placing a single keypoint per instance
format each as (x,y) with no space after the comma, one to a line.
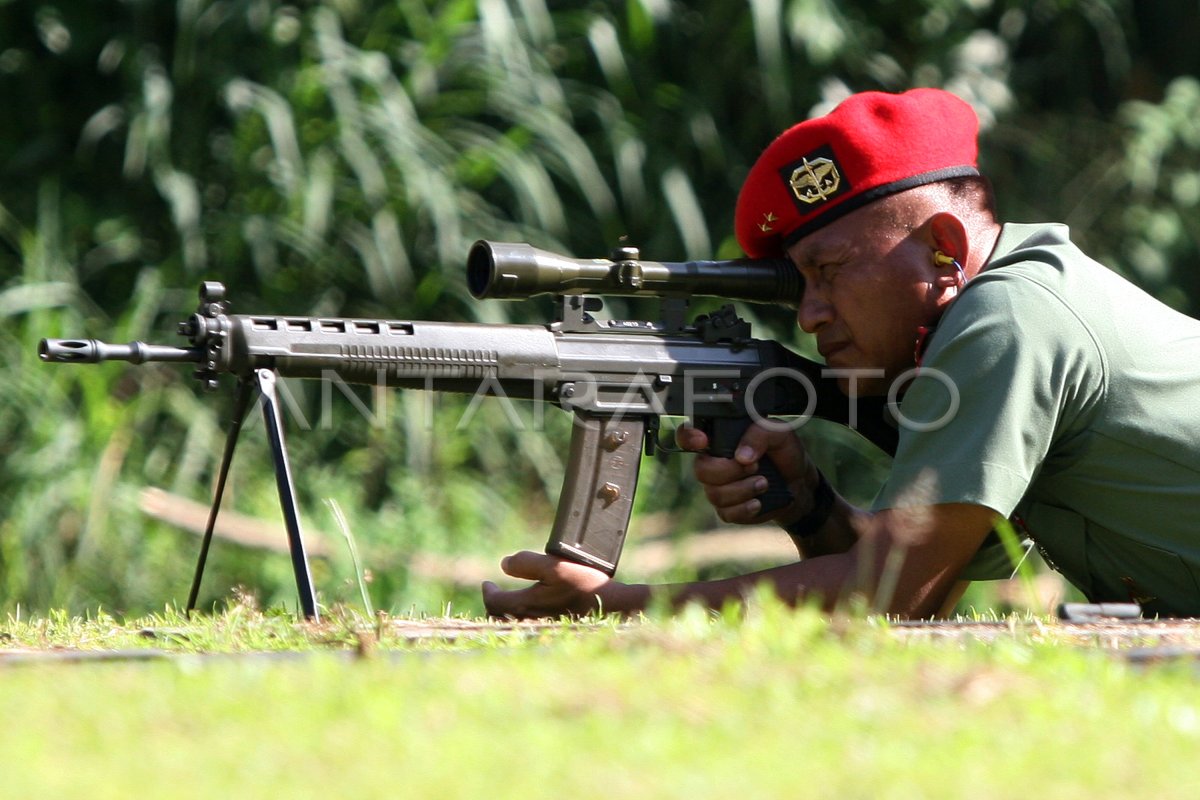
(753,444)
(689,438)
(714,470)
(529,565)
(741,514)
(736,493)
(501,603)
(757,440)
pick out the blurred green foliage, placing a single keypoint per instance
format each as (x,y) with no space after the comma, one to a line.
(338,157)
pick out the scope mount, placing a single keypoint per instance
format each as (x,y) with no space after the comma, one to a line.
(573,314)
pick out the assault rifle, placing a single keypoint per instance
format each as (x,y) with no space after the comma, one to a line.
(618,377)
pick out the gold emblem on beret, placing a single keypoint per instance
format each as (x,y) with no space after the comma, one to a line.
(815,181)
(768,218)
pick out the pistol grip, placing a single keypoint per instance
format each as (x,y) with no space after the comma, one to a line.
(724,434)
(597,494)
(777,495)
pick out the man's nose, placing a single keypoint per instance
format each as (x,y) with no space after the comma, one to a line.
(814,311)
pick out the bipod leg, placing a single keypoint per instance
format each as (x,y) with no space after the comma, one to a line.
(240,403)
(287,492)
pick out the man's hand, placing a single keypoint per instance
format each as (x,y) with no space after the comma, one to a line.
(563,588)
(733,485)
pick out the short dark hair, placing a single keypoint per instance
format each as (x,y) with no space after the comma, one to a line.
(974,190)
(970,197)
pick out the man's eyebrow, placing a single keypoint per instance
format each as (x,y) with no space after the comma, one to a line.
(823,254)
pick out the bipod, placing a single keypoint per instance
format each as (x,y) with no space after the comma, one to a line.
(264,381)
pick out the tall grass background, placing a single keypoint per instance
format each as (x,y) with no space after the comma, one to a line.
(339,157)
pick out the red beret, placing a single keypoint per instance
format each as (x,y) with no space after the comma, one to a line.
(872,145)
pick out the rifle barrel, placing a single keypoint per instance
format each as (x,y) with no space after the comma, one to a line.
(92,351)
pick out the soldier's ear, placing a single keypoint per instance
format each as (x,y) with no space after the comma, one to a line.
(948,235)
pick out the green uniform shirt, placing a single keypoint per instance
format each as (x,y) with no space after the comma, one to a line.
(1078,410)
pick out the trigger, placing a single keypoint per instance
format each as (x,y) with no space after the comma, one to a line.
(655,443)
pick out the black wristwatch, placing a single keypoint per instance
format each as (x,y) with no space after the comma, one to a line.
(815,519)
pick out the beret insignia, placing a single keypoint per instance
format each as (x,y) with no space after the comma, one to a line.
(815,178)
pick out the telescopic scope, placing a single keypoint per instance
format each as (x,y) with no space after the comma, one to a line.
(512,270)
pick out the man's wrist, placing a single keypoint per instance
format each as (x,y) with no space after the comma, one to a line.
(616,597)
(822,508)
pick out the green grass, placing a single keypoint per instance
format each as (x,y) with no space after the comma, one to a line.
(775,704)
